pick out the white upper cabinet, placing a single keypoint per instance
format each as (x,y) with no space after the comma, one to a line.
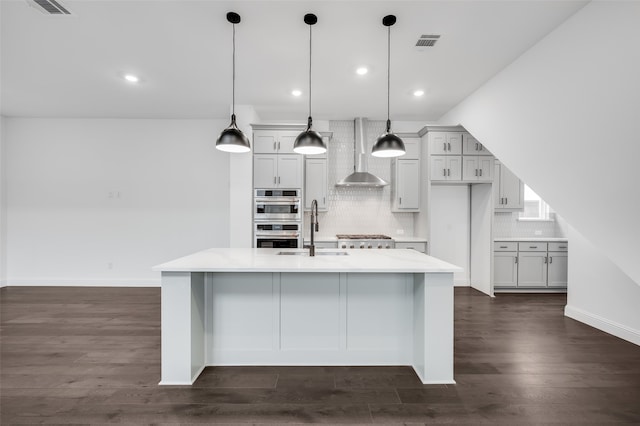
(412,147)
(405,189)
(509,190)
(446,167)
(445,143)
(274,142)
(471,146)
(477,168)
(277,171)
(315,186)
(289,171)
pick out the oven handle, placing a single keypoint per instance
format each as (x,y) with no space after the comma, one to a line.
(277,200)
(296,235)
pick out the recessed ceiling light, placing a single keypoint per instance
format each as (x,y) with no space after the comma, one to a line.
(132,78)
(362,70)
(296,92)
(418,93)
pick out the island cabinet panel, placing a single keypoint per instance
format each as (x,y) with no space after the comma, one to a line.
(310,311)
(378,311)
(242,311)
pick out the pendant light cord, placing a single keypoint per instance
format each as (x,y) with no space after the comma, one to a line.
(310,47)
(388,77)
(233,90)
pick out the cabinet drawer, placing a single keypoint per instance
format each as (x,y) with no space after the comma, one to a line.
(505,246)
(532,246)
(418,246)
(558,246)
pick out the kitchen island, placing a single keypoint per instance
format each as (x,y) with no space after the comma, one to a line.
(233,306)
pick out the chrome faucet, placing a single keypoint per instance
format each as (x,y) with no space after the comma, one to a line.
(315,226)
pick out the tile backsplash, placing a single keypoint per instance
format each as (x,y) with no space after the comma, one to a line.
(358,210)
(507,225)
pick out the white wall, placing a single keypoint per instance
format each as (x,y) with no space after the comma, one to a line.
(66,223)
(564,118)
(600,294)
(450,238)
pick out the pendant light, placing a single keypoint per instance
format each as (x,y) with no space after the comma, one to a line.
(232,139)
(309,141)
(388,144)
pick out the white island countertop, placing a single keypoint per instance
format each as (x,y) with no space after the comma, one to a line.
(268,260)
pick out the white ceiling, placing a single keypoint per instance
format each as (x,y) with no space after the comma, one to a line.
(72,66)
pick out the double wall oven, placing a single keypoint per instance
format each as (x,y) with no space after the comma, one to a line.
(277,218)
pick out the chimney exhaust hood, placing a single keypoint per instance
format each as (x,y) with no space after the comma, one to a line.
(360,176)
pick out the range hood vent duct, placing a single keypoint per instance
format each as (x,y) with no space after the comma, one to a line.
(49,7)
(360,176)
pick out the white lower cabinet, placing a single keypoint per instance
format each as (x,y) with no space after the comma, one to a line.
(532,269)
(529,265)
(505,269)
(420,246)
(557,269)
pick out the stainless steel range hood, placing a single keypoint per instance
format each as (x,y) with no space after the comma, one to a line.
(360,176)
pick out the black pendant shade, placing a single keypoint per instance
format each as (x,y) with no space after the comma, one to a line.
(309,142)
(232,139)
(388,144)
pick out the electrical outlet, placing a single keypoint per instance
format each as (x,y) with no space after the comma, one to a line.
(538,232)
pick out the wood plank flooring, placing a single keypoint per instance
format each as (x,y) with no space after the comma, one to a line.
(92,356)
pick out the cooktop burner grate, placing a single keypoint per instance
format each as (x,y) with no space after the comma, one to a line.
(362,237)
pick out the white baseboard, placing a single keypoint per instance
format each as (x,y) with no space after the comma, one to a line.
(75,282)
(616,329)
(3,284)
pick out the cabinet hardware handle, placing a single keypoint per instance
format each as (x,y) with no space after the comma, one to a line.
(278,145)
(545,259)
(562,246)
(480,172)
(274,145)
(400,200)
(516,260)
(506,200)
(444,172)
(324,200)
(449,143)
(550,259)
(448,172)
(533,246)
(275,179)
(476,146)
(476,172)
(444,146)
(278,179)
(503,246)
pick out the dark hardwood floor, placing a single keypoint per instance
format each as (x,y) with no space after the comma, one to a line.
(92,355)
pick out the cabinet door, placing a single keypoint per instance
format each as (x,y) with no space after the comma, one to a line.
(438,167)
(438,143)
(482,150)
(469,144)
(454,167)
(412,147)
(486,166)
(511,189)
(286,139)
(408,184)
(264,171)
(532,269)
(557,269)
(265,142)
(505,269)
(454,143)
(470,168)
(497,195)
(315,182)
(289,171)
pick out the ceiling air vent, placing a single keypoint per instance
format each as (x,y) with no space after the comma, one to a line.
(49,7)
(427,40)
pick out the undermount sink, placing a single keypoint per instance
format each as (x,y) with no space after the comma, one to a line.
(318,253)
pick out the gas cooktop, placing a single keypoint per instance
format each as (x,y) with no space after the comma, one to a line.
(362,237)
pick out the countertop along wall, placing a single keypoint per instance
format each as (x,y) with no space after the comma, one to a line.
(100,201)
(360,210)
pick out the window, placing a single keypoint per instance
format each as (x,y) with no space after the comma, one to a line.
(534,207)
